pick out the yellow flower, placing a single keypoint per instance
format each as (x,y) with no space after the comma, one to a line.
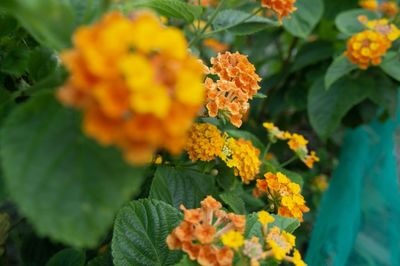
(367,48)
(310,159)
(320,183)
(265,218)
(297,261)
(205,142)
(158,159)
(286,193)
(242,156)
(232,239)
(274,132)
(297,142)
(280,242)
(136,83)
(382,26)
(369,4)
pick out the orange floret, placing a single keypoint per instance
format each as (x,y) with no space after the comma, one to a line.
(283,8)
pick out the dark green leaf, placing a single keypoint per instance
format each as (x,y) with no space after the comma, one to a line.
(327,108)
(339,67)
(67,257)
(391,65)
(302,22)
(168,8)
(234,201)
(312,53)
(241,23)
(65,184)
(15,62)
(285,223)
(347,22)
(140,232)
(102,260)
(178,186)
(186,262)
(385,93)
(42,63)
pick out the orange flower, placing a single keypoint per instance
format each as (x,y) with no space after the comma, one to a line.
(243,157)
(237,84)
(200,233)
(389,8)
(136,82)
(310,159)
(205,142)
(205,2)
(286,193)
(216,45)
(282,7)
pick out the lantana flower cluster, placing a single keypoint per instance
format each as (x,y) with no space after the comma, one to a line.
(137,84)
(284,194)
(388,8)
(211,236)
(206,142)
(369,46)
(296,143)
(282,8)
(200,233)
(237,84)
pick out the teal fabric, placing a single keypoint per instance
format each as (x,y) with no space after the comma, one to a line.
(359,219)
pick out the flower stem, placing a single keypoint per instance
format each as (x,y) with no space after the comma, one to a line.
(288,162)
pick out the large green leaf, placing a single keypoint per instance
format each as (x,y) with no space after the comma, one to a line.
(339,67)
(326,108)
(391,65)
(140,232)
(285,223)
(240,22)
(347,22)
(234,201)
(52,22)
(178,186)
(168,8)
(67,257)
(312,53)
(302,22)
(67,186)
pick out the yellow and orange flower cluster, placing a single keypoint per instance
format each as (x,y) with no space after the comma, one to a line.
(282,8)
(205,2)
(205,142)
(389,8)
(237,84)
(367,47)
(296,143)
(285,193)
(136,82)
(278,244)
(201,230)
(243,157)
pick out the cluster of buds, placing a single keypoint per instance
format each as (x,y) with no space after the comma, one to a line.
(296,143)
(200,233)
(237,84)
(284,194)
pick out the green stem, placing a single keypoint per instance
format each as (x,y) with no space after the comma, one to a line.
(288,162)
(267,148)
(208,24)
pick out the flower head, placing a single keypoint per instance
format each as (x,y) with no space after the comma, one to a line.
(310,159)
(237,84)
(297,260)
(205,142)
(265,218)
(232,239)
(367,48)
(136,83)
(283,8)
(389,8)
(242,156)
(286,193)
(201,230)
(275,133)
(369,4)
(381,26)
(281,242)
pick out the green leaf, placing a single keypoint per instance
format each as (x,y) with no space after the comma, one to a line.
(302,22)
(285,223)
(327,108)
(168,8)
(15,62)
(140,232)
(67,257)
(186,262)
(52,22)
(234,201)
(253,226)
(312,53)
(67,186)
(178,186)
(101,260)
(247,136)
(42,63)
(347,22)
(241,23)
(339,67)
(385,93)
(391,65)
